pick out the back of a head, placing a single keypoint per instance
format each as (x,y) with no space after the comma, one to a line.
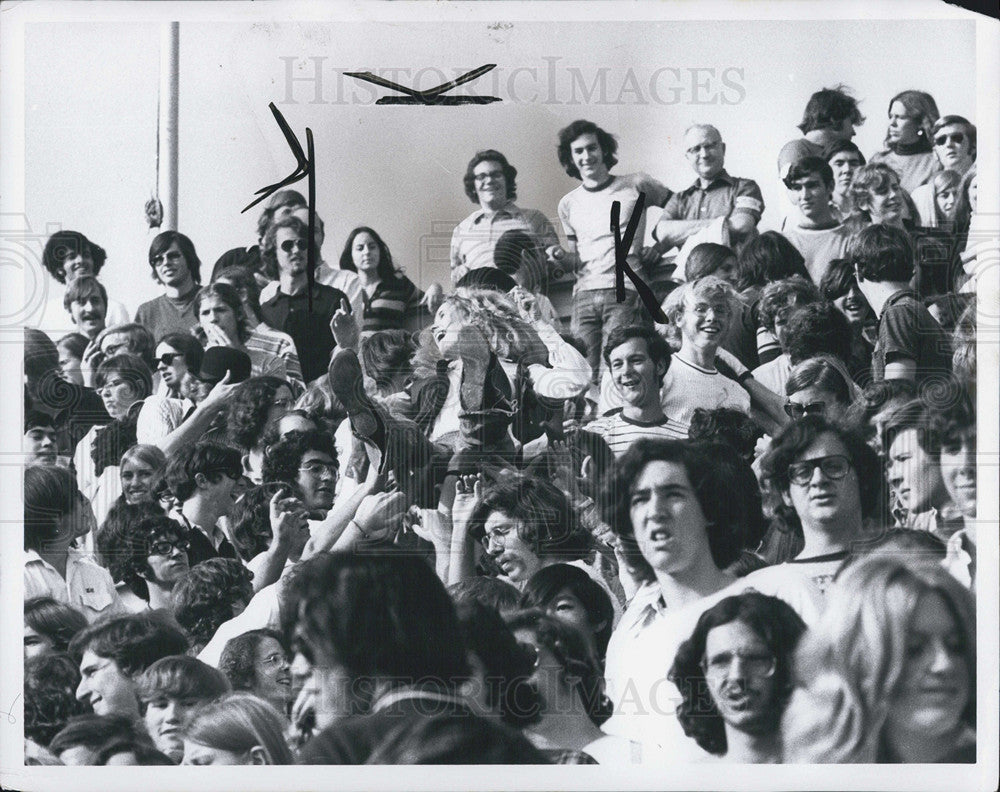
(239,722)
(488,591)
(472,740)
(817,329)
(768,258)
(829,108)
(50,683)
(882,253)
(92,731)
(707,259)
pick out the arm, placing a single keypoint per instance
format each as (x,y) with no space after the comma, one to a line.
(901,368)
(567,373)
(468,491)
(674,233)
(200,420)
(287,516)
(327,535)
(766,407)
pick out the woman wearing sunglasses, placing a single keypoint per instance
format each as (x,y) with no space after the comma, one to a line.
(819,386)
(823,482)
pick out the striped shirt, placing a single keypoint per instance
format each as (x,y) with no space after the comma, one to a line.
(265,343)
(620,432)
(386,308)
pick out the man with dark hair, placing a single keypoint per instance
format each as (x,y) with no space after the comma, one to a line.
(844,158)
(637,358)
(86,300)
(280,205)
(115,651)
(678,533)
(840,287)
(170,689)
(176,267)
(83,737)
(386,651)
(148,552)
(587,153)
(740,719)
(910,345)
(209,595)
(308,462)
(714,194)
(206,479)
(778,301)
(830,115)
(817,233)
(40,444)
(490,183)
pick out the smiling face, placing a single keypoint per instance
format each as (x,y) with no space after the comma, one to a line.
(635,375)
(853,305)
(272,673)
(105,687)
(516,558)
(76,265)
(136,477)
(825,502)
(447,322)
(317,481)
(958,470)
(69,365)
(588,157)
(704,321)
(490,184)
(935,684)
(214,311)
(885,203)
(843,164)
(172,268)
(953,147)
(739,670)
(904,125)
(705,151)
(163,720)
(914,475)
(667,519)
(89,314)
(365,253)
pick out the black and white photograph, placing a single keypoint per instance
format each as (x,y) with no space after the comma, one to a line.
(499,383)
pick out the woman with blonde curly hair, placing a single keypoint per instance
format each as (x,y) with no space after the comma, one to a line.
(888,674)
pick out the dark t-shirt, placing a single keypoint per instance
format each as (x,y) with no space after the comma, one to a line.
(310,330)
(906,329)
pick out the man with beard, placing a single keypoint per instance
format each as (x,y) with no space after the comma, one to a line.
(637,358)
(741,652)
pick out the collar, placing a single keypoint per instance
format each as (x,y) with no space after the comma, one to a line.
(922,146)
(602,186)
(722,177)
(647,604)
(397,695)
(510,209)
(899,296)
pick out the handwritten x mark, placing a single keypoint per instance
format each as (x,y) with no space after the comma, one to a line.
(432,96)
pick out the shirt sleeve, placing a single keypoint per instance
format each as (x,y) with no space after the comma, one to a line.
(673,210)
(458,268)
(657,193)
(568,372)
(748,199)
(563,212)
(543,230)
(899,333)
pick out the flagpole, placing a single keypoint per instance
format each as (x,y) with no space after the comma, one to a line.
(168,124)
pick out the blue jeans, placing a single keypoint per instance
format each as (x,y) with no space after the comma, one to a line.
(592,310)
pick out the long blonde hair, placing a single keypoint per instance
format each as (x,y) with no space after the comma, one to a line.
(497,316)
(848,666)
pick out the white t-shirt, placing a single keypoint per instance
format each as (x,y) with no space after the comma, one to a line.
(620,432)
(773,375)
(686,387)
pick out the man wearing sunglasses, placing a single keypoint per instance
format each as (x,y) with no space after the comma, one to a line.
(286,259)
(824,482)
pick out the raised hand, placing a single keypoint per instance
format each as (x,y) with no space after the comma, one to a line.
(430,525)
(287,517)
(433,297)
(344,326)
(468,492)
(218,397)
(379,515)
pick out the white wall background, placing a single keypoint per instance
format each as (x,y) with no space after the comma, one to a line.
(91,103)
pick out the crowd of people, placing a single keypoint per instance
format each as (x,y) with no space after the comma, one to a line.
(266,522)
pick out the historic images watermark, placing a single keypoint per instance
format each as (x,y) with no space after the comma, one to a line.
(553,80)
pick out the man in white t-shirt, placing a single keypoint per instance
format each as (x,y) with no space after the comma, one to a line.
(587,153)
(637,358)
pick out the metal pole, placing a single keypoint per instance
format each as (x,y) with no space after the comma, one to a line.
(169,102)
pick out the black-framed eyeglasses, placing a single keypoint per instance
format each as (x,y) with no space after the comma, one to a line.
(298,244)
(168,358)
(163,547)
(485,177)
(499,536)
(754,664)
(953,137)
(794,410)
(834,467)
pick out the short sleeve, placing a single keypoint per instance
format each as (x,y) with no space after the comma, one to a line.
(657,193)
(564,217)
(899,333)
(748,198)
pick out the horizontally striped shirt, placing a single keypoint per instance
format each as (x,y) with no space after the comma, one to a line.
(265,340)
(388,305)
(620,432)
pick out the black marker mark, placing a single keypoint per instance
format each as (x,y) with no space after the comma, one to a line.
(305,167)
(432,96)
(621,263)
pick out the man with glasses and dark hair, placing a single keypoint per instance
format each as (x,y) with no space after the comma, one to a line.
(714,194)
(285,255)
(148,552)
(490,183)
(176,267)
(307,461)
(741,653)
(206,479)
(823,482)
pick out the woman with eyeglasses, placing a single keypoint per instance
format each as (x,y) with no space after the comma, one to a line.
(888,674)
(819,386)
(822,482)
(909,139)
(258,662)
(741,652)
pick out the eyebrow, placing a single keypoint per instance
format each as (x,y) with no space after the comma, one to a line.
(669,489)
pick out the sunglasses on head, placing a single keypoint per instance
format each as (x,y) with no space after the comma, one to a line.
(298,244)
(795,410)
(954,137)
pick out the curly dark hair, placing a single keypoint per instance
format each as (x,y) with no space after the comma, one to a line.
(773,620)
(882,253)
(50,683)
(54,620)
(250,519)
(579,666)
(768,258)
(828,108)
(725,425)
(204,598)
(134,642)
(239,657)
(249,408)
(780,295)
(64,244)
(546,520)
(795,438)
(609,146)
(490,155)
(282,460)
(124,537)
(726,529)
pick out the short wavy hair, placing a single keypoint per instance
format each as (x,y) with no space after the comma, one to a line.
(54,620)
(882,253)
(64,244)
(124,543)
(238,722)
(781,295)
(163,241)
(131,368)
(957,120)
(203,599)
(134,642)
(239,657)
(212,459)
(849,664)
(607,142)
(546,521)
(250,519)
(768,258)
(921,104)
(228,295)
(180,677)
(656,347)
(490,155)
(50,683)
(773,620)
(709,287)
(724,515)
(817,328)
(82,288)
(386,354)
(829,108)
(249,407)
(282,460)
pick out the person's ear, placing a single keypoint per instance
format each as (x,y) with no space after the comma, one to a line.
(201,481)
(598,626)
(661,369)
(258,756)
